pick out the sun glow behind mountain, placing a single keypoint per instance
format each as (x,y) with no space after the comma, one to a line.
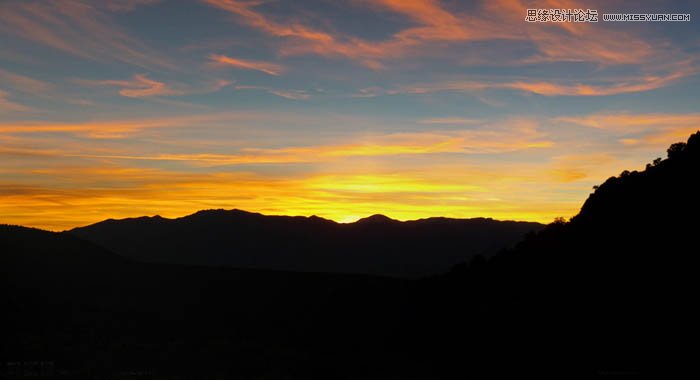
(414,109)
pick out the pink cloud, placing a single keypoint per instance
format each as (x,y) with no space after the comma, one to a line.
(265,67)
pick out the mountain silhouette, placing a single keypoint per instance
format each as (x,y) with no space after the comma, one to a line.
(376,219)
(374,245)
(609,293)
(34,247)
(609,290)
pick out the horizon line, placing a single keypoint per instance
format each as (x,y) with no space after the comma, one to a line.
(354,219)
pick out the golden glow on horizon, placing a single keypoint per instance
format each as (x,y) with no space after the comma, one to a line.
(402,175)
(435,108)
(66,197)
(342,198)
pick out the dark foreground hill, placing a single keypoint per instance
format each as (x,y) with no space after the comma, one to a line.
(610,293)
(375,245)
(612,289)
(74,310)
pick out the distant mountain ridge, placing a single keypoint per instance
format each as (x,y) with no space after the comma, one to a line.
(375,245)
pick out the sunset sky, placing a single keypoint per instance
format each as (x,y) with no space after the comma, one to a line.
(342,109)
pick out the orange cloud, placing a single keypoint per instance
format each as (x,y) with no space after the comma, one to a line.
(50,180)
(633,122)
(427,12)
(494,137)
(490,20)
(420,143)
(653,132)
(265,67)
(304,39)
(110,128)
(482,142)
(575,167)
(137,87)
(140,86)
(567,42)
(642,84)
(451,121)
(436,23)
(610,87)
(257,20)
(237,122)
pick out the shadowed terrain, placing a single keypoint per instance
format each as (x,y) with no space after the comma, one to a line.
(374,245)
(96,314)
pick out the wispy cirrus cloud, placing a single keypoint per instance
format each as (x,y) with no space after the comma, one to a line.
(652,131)
(301,38)
(11,106)
(287,94)
(450,121)
(265,67)
(24,83)
(568,42)
(36,89)
(141,86)
(434,22)
(246,10)
(521,135)
(61,178)
(336,155)
(631,122)
(575,167)
(562,87)
(481,141)
(79,28)
(126,5)
(439,24)
(126,127)
(626,121)
(114,128)
(291,94)
(138,86)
